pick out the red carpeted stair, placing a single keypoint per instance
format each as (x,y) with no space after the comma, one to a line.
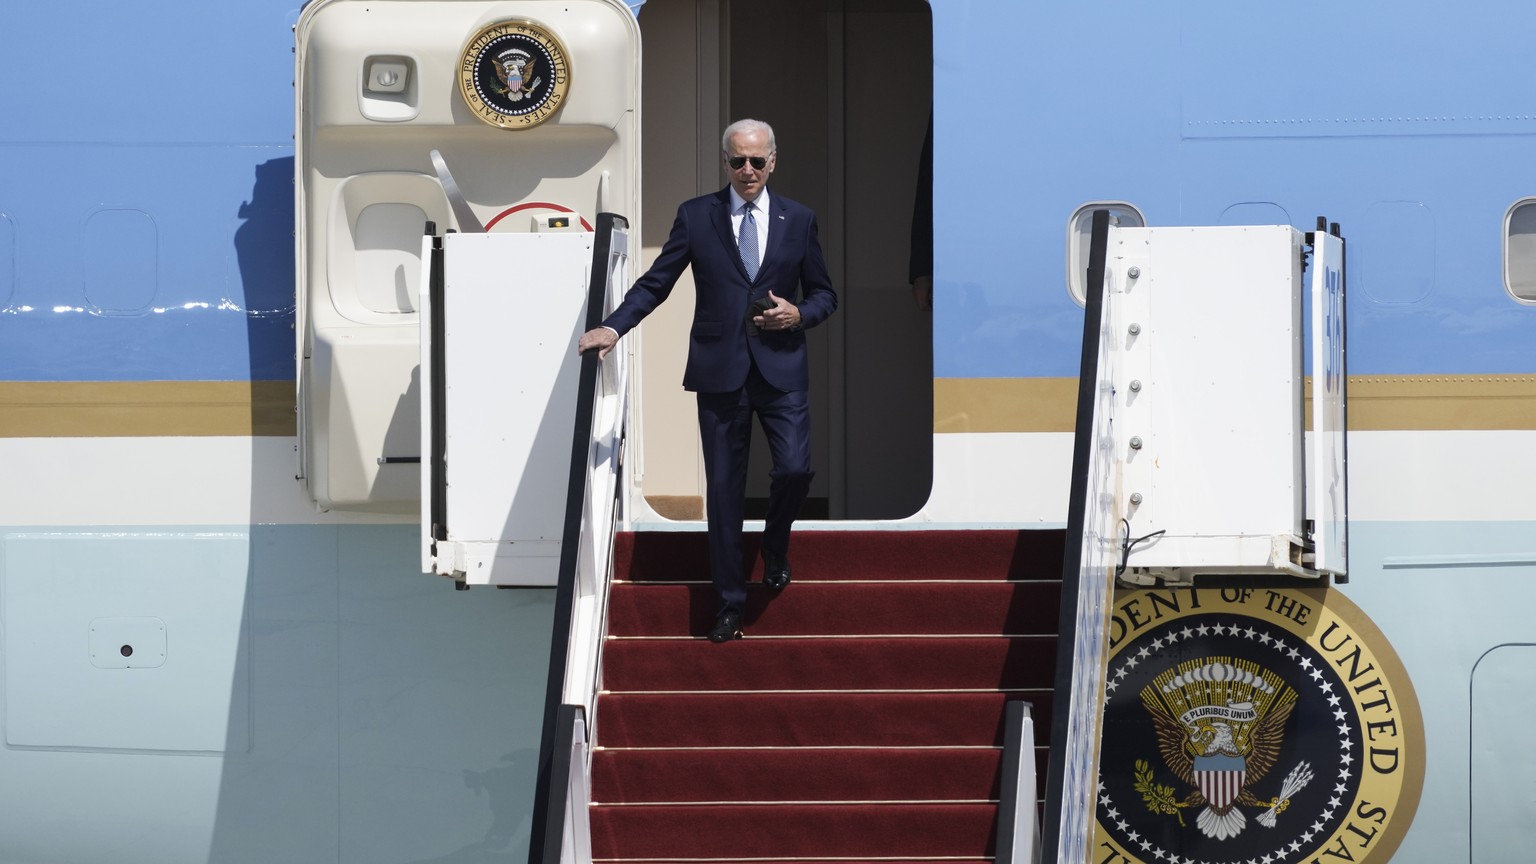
(860,718)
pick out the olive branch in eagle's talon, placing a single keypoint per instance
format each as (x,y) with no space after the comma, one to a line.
(1159,799)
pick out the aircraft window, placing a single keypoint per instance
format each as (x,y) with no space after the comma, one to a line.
(1078,227)
(1520,250)
(1255,213)
(1392,259)
(388,256)
(7,261)
(122,273)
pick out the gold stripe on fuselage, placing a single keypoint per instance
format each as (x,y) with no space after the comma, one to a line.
(47,409)
(1377,403)
(119,409)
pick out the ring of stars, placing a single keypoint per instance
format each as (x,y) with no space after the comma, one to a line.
(1126,663)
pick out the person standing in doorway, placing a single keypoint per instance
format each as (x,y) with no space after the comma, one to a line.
(761,281)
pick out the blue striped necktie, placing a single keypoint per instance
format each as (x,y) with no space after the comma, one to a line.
(746,240)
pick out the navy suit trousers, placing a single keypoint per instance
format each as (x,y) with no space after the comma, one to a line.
(725,429)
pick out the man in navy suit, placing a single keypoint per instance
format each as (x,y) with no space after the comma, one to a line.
(760,281)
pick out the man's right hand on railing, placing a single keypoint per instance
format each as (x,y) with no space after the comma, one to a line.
(600,339)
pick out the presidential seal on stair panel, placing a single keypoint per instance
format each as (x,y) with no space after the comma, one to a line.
(514,74)
(1251,725)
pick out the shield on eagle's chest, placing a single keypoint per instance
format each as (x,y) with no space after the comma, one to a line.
(1220,778)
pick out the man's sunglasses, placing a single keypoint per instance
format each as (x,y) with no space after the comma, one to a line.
(758,162)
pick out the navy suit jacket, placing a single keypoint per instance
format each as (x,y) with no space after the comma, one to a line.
(720,346)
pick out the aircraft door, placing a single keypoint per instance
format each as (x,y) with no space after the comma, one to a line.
(513,117)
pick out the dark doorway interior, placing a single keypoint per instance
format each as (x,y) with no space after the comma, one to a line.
(847,87)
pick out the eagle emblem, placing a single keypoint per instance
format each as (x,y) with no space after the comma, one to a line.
(1220,725)
(514,74)
(516,69)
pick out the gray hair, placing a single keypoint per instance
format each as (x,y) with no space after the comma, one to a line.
(747,126)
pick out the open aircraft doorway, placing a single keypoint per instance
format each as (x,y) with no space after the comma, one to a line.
(847,87)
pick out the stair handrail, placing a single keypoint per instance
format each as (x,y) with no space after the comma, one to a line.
(1087,578)
(559,830)
(570,782)
(1018,831)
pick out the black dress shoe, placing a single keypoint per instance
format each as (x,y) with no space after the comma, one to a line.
(727,627)
(775,571)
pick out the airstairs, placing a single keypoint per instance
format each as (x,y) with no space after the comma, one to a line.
(868,717)
(1190,457)
(884,708)
(863,719)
